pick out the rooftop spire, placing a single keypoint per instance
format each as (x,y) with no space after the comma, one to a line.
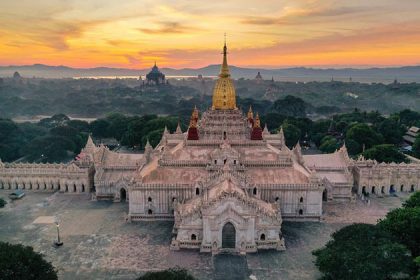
(224,96)
(224,71)
(250,114)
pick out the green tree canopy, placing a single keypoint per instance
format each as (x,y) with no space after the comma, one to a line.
(404,225)
(290,106)
(168,274)
(362,252)
(385,153)
(99,128)
(391,130)
(363,134)
(21,262)
(50,148)
(413,200)
(291,133)
(416,147)
(328,144)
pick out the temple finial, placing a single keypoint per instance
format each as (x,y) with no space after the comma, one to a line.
(257,121)
(250,113)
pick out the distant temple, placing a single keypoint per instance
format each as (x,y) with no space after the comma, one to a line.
(259,78)
(155,76)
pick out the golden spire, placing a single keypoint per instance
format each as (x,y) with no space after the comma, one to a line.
(257,121)
(224,96)
(250,113)
(195,113)
(224,71)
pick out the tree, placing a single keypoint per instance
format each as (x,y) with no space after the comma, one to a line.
(385,153)
(353,147)
(361,251)
(290,106)
(2,202)
(409,118)
(404,225)
(413,201)
(117,125)
(168,274)
(328,144)
(99,128)
(21,262)
(363,135)
(391,130)
(291,133)
(56,120)
(416,147)
(50,148)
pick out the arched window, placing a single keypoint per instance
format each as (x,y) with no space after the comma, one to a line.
(412,188)
(373,190)
(391,189)
(254,191)
(300,212)
(363,190)
(402,188)
(277,199)
(301,199)
(193,237)
(83,187)
(74,187)
(197,191)
(224,161)
(262,237)
(234,161)
(215,161)
(149,199)
(150,212)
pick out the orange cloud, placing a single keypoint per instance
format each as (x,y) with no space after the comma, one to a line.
(182,33)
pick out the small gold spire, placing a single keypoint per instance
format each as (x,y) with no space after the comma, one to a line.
(195,113)
(250,113)
(257,121)
(224,71)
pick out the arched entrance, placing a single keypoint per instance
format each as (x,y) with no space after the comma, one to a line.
(325,195)
(391,189)
(228,236)
(123,195)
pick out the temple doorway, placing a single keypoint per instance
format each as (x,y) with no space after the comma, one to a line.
(325,195)
(228,236)
(123,195)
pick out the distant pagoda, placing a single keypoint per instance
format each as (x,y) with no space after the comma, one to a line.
(259,78)
(155,76)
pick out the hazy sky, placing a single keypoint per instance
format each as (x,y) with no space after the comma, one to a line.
(189,33)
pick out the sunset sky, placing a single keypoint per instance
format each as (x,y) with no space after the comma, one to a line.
(189,33)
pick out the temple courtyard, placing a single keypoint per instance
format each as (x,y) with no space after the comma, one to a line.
(99,244)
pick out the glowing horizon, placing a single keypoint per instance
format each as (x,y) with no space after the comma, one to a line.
(182,33)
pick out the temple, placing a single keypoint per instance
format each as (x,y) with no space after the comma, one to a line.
(155,76)
(225,182)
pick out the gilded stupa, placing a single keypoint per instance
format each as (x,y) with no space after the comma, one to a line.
(224,97)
